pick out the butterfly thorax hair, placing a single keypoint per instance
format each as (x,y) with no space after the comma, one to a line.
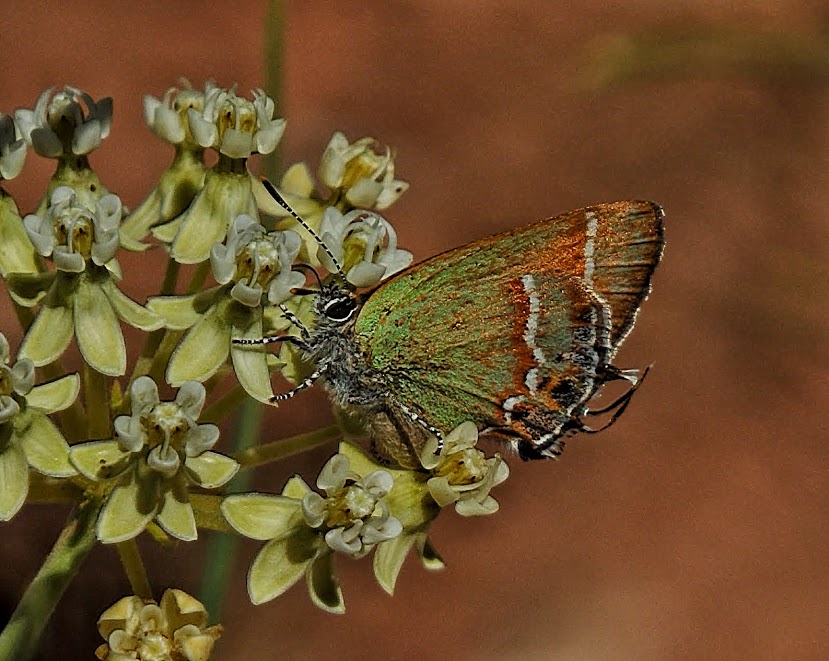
(333,348)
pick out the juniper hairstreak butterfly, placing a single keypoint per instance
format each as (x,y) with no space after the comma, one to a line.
(515,332)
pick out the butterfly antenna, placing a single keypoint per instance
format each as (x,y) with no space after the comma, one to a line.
(276,195)
(308,267)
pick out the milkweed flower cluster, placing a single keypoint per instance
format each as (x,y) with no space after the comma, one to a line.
(137,445)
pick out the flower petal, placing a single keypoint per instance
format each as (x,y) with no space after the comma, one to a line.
(473,507)
(99,460)
(129,311)
(17,254)
(46,449)
(55,395)
(190,397)
(278,566)
(441,491)
(297,180)
(176,517)
(428,554)
(28,289)
(49,334)
(203,349)
(211,469)
(14,480)
(388,560)
(295,487)
(206,221)
(323,586)
(177,312)
(262,516)
(97,330)
(181,609)
(125,515)
(250,362)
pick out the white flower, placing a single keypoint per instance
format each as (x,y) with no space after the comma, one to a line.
(258,261)
(28,438)
(461,474)
(158,451)
(234,125)
(167,117)
(356,240)
(59,124)
(72,232)
(365,178)
(12,148)
(353,513)
(174,629)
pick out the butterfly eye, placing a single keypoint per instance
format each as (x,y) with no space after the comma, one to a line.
(340,309)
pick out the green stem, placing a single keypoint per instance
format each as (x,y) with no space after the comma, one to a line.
(20,639)
(162,356)
(168,287)
(206,508)
(134,567)
(286,447)
(97,402)
(199,277)
(44,489)
(221,548)
(222,407)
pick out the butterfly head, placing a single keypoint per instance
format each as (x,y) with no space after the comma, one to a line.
(335,305)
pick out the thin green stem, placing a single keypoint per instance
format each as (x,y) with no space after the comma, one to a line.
(73,419)
(20,639)
(44,489)
(162,356)
(97,402)
(199,277)
(287,447)
(168,287)
(221,549)
(222,407)
(134,568)
(207,512)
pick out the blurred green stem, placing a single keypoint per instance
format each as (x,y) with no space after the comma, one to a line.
(21,637)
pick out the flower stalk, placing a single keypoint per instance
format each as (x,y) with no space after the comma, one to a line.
(20,637)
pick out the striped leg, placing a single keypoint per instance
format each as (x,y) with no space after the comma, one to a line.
(290,316)
(415,417)
(293,339)
(307,383)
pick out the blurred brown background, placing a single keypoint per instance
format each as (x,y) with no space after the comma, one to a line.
(697,527)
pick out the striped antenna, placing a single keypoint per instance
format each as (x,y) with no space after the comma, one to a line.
(281,201)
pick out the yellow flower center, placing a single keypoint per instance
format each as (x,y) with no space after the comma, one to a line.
(76,231)
(363,166)
(351,503)
(258,263)
(166,425)
(236,113)
(5,381)
(466,466)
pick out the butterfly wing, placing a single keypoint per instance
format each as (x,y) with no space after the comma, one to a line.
(511,331)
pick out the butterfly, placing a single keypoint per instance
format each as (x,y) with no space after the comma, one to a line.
(515,332)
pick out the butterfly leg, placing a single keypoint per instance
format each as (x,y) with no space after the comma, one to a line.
(415,417)
(307,383)
(291,317)
(635,380)
(293,339)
